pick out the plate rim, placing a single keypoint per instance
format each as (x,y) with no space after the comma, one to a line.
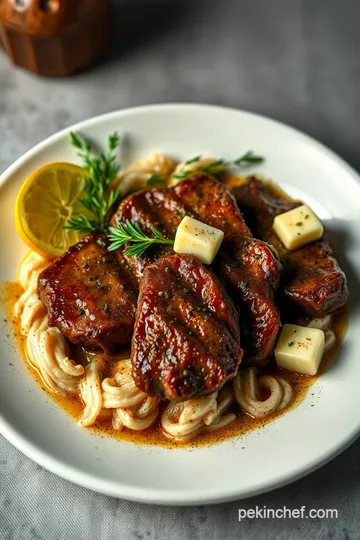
(98,119)
(157,495)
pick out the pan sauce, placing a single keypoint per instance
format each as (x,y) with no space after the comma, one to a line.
(154,435)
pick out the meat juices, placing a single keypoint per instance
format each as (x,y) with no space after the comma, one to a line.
(312,277)
(186,338)
(89,296)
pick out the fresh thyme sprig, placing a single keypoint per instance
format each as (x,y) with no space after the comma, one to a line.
(214,168)
(192,160)
(126,232)
(249,158)
(155,179)
(97,199)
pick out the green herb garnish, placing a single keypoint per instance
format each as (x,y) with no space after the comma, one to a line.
(249,158)
(192,160)
(155,179)
(214,168)
(108,260)
(133,234)
(97,199)
(211,168)
(184,173)
(291,343)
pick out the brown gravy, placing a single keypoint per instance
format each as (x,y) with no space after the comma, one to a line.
(73,406)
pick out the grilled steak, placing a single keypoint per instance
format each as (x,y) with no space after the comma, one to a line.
(312,276)
(89,296)
(211,202)
(206,199)
(186,339)
(200,196)
(248,267)
(157,207)
(251,272)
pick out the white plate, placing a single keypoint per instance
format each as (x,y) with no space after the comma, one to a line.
(293,445)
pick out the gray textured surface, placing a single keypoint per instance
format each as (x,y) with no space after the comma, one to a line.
(296,61)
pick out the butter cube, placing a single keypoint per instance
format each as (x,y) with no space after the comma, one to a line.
(298,227)
(300,349)
(196,238)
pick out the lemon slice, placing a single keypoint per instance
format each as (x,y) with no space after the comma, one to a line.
(44,203)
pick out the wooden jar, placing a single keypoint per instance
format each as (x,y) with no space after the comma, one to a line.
(53,37)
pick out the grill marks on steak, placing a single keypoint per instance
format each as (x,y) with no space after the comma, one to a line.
(211,202)
(158,208)
(90,296)
(206,199)
(312,276)
(247,266)
(251,272)
(186,339)
(200,196)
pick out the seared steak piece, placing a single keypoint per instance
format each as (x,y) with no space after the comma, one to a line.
(312,276)
(211,202)
(248,267)
(200,196)
(158,208)
(90,296)
(251,271)
(206,199)
(186,340)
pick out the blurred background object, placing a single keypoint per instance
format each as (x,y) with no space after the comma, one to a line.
(53,37)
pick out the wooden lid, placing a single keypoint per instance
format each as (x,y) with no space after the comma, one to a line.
(53,37)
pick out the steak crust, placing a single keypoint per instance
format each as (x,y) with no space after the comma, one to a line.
(204,198)
(312,277)
(90,296)
(251,271)
(186,338)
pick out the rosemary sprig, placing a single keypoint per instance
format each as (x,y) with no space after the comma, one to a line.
(214,168)
(126,232)
(97,198)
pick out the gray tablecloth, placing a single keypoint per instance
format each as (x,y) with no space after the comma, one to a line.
(296,61)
